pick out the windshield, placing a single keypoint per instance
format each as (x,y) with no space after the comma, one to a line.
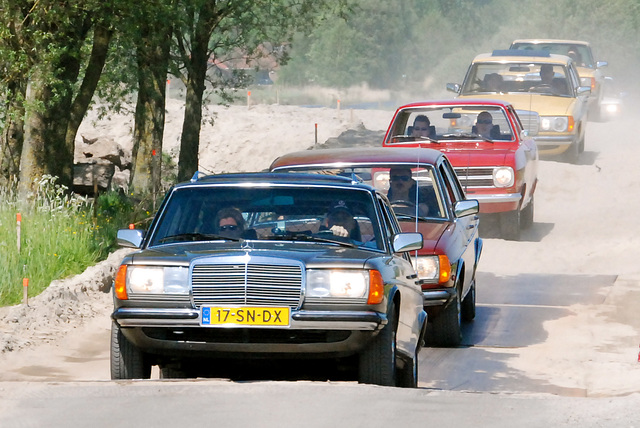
(413,191)
(470,122)
(269,213)
(581,54)
(498,78)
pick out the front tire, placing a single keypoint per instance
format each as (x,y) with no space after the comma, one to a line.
(526,215)
(408,376)
(447,326)
(127,360)
(378,361)
(468,307)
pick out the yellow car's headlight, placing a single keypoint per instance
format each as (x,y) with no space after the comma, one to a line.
(556,123)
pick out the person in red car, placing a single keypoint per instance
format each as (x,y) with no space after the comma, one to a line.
(421,127)
(404,189)
(484,124)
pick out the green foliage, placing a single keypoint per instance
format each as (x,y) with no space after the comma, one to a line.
(60,235)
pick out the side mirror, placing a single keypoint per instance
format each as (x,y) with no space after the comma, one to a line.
(453,87)
(131,238)
(403,242)
(600,64)
(524,134)
(466,208)
(584,90)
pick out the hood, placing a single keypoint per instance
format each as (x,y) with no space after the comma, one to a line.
(545,105)
(431,233)
(312,254)
(474,153)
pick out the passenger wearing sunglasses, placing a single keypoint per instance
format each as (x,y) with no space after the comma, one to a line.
(421,127)
(230,223)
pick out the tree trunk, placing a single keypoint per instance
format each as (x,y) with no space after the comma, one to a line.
(101,39)
(12,139)
(153,61)
(197,73)
(32,163)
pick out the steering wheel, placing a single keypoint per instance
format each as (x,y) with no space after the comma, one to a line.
(403,207)
(543,87)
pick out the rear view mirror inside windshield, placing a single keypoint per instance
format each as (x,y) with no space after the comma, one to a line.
(451,115)
(519,68)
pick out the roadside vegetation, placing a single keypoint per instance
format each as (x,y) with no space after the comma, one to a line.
(59,235)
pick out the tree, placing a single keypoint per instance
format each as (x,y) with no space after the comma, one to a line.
(225,30)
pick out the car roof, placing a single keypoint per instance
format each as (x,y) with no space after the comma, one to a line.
(513,55)
(551,41)
(458,102)
(263,178)
(338,158)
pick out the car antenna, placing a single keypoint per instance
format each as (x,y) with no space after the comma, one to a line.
(195,177)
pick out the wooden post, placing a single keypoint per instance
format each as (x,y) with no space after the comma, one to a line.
(316,139)
(18,231)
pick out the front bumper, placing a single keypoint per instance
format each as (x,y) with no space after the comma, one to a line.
(498,202)
(438,296)
(178,332)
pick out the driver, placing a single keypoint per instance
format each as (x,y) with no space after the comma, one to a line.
(341,222)
(402,187)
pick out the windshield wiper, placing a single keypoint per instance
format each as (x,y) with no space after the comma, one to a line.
(410,217)
(195,237)
(301,236)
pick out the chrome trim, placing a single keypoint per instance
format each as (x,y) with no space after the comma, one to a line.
(495,199)
(553,140)
(301,320)
(437,297)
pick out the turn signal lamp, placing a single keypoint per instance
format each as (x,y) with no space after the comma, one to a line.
(445,269)
(121,283)
(376,288)
(571,124)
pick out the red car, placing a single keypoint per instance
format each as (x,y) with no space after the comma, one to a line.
(426,197)
(496,161)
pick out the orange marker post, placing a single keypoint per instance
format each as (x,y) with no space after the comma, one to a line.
(316,140)
(25,291)
(248,99)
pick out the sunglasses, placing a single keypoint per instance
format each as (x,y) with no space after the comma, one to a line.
(484,122)
(400,178)
(415,128)
(231,227)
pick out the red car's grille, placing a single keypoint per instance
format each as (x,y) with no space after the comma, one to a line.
(475,176)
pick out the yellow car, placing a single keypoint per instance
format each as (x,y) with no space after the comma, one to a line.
(541,82)
(589,70)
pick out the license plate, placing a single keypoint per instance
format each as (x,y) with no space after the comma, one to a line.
(250,316)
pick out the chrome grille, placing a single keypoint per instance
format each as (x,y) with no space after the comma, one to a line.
(475,176)
(252,284)
(530,121)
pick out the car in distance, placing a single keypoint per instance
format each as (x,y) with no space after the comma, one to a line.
(555,94)
(496,162)
(589,70)
(275,282)
(426,197)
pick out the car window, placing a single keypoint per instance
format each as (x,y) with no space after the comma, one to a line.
(581,54)
(267,213)
(451,182)
(517,77)
(451,122)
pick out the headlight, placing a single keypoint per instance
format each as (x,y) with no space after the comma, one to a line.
(337,283)
(503,176)
(434,269)
(556,123)
(151,280)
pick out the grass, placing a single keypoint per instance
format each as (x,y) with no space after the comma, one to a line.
(60,235)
